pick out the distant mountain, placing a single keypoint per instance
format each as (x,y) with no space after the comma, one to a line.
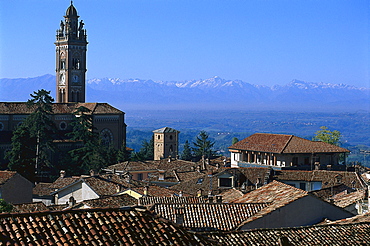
(213,93)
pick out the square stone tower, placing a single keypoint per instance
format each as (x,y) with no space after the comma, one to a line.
(166,142)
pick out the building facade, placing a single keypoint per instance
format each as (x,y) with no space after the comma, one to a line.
(282,151)
(165,143)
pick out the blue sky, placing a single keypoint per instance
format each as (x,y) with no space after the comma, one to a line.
(264,42)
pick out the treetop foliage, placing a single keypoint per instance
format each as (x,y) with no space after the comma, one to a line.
(327,136)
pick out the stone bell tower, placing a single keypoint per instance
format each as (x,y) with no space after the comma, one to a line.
(71,47)
(166,142)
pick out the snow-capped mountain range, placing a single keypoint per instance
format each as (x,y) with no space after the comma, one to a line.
(212,93)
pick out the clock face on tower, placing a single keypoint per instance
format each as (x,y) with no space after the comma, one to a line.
(62,79)
(75,79)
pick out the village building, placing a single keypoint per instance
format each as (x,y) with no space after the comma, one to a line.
(285,151)
(166,143)
(288,207)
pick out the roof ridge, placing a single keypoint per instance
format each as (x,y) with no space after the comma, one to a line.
(287,143)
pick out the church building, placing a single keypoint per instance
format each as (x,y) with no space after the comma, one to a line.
(71,46)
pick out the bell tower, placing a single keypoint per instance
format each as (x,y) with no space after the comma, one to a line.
(71,46)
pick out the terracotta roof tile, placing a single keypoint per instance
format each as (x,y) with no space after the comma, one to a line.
(230,195)
(112,226)
(355,219)
(208,216)
(281,143)
(348,234)
(6,175)
(150,200)
(58,108)
(276,194)
(29,207)
(328,178)
(109,202)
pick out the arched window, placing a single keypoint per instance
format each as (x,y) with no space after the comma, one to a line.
(106,137)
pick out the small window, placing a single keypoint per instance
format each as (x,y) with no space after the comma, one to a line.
(159,136)
(63,125)
(225,182)
(200,181)
(302,186)
(139,176)
(170,137)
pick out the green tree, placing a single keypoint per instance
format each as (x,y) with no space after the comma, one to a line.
(5,207)
(123,154)
(146,152)
(89,154)
(327,136)
(203,146)
(186,153)
(234,140)
(32,141)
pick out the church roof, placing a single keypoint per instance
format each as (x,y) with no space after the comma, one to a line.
(58,108)
(165,130)
(284,144)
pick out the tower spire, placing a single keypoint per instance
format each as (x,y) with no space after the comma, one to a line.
(71,46)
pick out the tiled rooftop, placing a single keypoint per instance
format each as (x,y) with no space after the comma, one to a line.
(276,194)
(281,143)
(355,219)
(165,130)
(150,200)
(109,202)
(230,195)
(132,226)
(348,234)
(208,216)
(6,175)
(328,178)
(58,108)
(29,207)
(155,191)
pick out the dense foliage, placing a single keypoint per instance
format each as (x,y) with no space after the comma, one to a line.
(32,141)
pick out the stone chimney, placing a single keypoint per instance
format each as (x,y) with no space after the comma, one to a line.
(71,201)
(199,193)
(62,173)
(92,173)
(146,188)
(198,168)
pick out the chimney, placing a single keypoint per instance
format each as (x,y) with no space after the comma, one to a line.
(217,166)
(62,173)
(203,163)
(71,201)
(225,162)
(180,193)
(192,169)
(179,215)
(169,159)
(199,193)
(198,169)
(284,241)
(146,188)
(328,167)
(210,198)
(92,173)
(161,174)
